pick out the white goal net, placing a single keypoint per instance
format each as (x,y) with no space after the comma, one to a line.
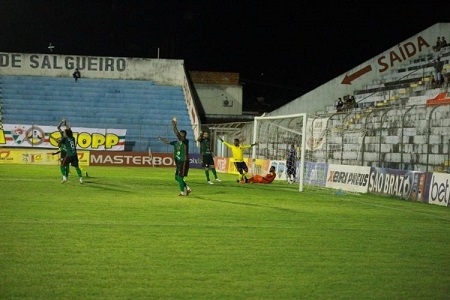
(282,139)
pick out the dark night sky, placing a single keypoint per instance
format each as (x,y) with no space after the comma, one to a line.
(282,49)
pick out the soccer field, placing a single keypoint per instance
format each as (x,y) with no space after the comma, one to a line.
(125,234)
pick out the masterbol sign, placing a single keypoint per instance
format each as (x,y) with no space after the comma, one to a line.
(137,159)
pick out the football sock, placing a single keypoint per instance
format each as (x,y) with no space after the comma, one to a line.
(181,183)
(63,170)
(79,172)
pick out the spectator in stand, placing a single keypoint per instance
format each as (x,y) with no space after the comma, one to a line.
(438,45)
(347,103)
(76,75)
(443,42)
(430,80)
(353,102)
(438,66)
(345,99)
(445,76)
(339,105)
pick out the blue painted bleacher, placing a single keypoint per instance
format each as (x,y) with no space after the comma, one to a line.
(144,108)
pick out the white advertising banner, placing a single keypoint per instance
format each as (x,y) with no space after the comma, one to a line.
(348,178)
(24,136)
(439,189)
(316,133)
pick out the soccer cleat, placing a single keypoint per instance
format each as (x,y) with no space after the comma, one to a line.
(210,182)
(81,180)
(218,179)
(188,191)
(64,179)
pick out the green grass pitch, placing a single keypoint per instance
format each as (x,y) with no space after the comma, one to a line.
(125,234)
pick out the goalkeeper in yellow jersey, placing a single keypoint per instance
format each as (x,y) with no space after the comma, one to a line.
(238,157)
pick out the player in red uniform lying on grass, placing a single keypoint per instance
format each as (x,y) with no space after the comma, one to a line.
(268,178)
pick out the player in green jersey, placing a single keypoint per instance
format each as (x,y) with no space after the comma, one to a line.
(181,157)
(61,150)
(70,145)
(207,156)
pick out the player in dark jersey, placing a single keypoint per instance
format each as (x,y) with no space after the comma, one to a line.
(207,156)
(291,164)
(61,150)
(62,153)
(181,157)
(70,145)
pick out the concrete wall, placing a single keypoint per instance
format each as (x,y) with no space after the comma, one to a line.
(161,71)
(220,92)
(220,99)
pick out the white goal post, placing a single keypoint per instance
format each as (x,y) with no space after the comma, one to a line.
(275,134)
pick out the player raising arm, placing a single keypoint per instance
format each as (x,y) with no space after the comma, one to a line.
(70,145)
(181,157)
(238,157)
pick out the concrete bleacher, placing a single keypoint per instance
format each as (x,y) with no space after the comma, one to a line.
(414,77)
(411,136)
(394,125)
(143,108)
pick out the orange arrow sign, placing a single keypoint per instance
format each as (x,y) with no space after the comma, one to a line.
(349,78)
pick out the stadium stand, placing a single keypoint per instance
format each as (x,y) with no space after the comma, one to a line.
(412,79)
(401,122)
(144,108)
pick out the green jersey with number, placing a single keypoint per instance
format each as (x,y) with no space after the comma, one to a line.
(180,150)
(70,145)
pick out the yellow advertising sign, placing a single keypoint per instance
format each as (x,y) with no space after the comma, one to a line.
(37,156)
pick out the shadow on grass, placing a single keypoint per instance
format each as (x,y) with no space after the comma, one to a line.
(106,186)
(247,204)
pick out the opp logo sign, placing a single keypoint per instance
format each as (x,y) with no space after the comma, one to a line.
(89,140)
